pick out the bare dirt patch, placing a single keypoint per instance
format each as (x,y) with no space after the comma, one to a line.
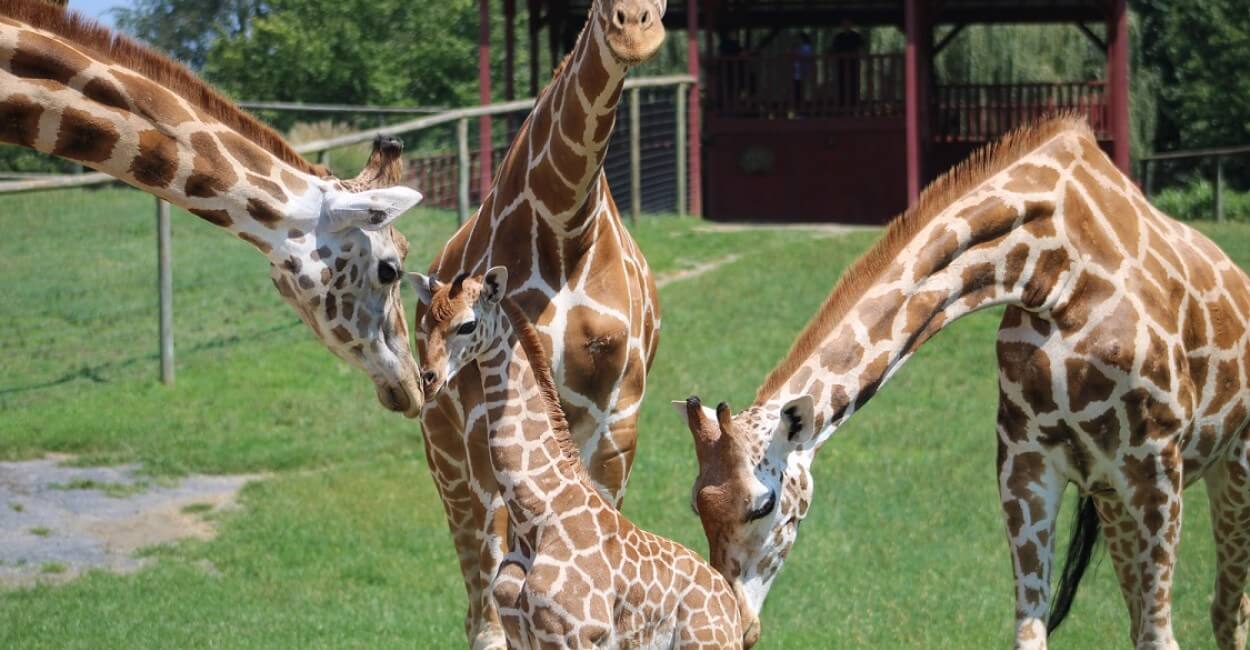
(57,521)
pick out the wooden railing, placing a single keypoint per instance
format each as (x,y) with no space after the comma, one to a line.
(982,112)
(795,86)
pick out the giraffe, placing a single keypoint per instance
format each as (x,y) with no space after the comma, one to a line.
(578,573)
(1124,362)
(579,277)
(71,88)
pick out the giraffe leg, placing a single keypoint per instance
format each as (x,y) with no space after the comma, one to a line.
(1228,489)
(1031,491)
(1153,500)
(1120,531)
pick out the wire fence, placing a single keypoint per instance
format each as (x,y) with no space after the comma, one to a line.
(92,312)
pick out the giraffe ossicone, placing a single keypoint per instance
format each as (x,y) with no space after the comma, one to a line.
(578,573)
(72,88)
(1124,368)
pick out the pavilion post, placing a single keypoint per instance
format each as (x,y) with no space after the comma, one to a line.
(683,173)
(485,149)
(509,60)
(913,66)
(534,9)
(694,109)
(1118,82)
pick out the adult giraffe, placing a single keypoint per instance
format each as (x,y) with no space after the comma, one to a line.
(578,276)
(71,88)
(1124,367)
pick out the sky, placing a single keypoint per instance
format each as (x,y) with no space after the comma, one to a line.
(98,8)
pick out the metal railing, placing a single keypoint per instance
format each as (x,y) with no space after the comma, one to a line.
(826,85)
(983,112)
(646,165)
(1150,163)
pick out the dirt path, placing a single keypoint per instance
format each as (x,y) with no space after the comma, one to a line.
(57,522)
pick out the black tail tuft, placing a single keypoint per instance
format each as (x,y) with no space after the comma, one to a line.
(1085,533)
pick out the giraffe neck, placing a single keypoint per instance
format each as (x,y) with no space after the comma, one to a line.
(531,451)
(69,100)
(560,167)
(999,244)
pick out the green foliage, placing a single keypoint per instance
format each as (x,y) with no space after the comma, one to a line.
(1196,200)
(187,29)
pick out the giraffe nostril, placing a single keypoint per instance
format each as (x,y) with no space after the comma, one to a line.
(428,377)
(618,19)
(645,18)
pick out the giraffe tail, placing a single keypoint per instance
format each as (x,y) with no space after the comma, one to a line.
(1085,534)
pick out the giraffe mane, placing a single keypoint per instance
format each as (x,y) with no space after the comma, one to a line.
(154,66)
(539,362)
(958,181)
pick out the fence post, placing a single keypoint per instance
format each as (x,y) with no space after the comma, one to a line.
(682,175)
(1219,188)
(165,286)
(323,156)
(462,155)
(1150,177)
(635,156)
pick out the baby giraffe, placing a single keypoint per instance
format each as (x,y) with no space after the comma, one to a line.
(578,573)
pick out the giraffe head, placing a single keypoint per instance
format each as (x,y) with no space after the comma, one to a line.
(633,29)
(342,275)
(461,319)
(753,489)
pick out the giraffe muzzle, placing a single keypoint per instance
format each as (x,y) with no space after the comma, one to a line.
(635,31)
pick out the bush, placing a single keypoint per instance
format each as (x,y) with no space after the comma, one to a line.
(1197,201)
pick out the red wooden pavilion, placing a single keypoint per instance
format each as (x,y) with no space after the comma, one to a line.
(809,135)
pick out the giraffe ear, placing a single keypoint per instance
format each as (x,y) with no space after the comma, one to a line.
(495,284)
(370,209)
(425,286)
(798,420)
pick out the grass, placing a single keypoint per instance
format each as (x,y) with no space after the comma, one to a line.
(41,531)
(53,568)
(197,509)
(346,544)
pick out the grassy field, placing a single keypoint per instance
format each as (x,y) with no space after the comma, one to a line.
(345,544)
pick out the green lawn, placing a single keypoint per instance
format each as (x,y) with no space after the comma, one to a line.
(346,546)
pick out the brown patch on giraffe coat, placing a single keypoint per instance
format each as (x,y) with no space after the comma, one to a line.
(219,218)
(270,187)
(1148,418)
(1229,329)
(1156,365)
(263,213)
(105,93)
(1113,340)
(341,334)
(1028,366)
(977,279)
(213,174)
(1086,384)
(294,183)
(247,154)
(259,243)
(39,57)
(85,137)
(19,120)
(879,313)
(1119,213)
(1016,259)
(1105,431)
(157,161)
(1031,179)
(152,101)
(1088,293)
(558,196)
(593,343)
(1227,385)
(1050,265)
(1086,232)
(844,357)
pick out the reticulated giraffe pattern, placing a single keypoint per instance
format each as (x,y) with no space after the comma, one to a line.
(1124,362)
(72,88)
(578,573)
(578,276)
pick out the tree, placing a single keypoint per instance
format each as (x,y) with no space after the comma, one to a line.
(187,29)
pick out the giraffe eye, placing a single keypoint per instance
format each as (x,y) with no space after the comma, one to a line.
(762,511)
(467,328)
(387,272)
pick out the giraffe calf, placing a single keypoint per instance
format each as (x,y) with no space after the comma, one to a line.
(578,573)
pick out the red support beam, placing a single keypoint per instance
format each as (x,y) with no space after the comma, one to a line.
(1118,82)
(485,156)
(914,65)
(695,109)
(509,61)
